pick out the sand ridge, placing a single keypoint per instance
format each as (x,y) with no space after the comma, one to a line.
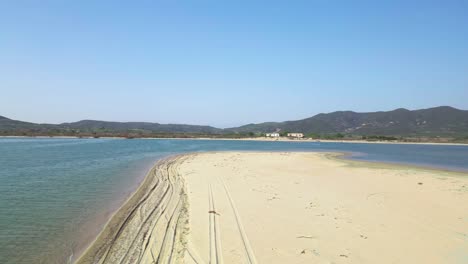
(151,226)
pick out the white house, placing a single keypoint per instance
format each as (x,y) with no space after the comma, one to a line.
(296,135)
(272,134)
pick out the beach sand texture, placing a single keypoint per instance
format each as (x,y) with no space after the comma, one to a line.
(290,208)
(150,227)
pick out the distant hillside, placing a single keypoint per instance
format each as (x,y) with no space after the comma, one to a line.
(94,125)
(7,124)
(437,121)
(441,121)
(10,127)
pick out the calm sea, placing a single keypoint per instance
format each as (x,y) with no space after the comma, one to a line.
(56,194)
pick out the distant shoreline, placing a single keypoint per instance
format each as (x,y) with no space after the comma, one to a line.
(258,139)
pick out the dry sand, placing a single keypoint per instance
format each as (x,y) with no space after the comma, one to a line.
(288,208)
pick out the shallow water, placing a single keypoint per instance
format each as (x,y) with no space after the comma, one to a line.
(56,194)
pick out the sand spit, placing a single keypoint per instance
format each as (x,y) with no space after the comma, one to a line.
(152,224)
(315,208)
(246,207)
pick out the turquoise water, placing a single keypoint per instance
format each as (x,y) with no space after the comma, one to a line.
(56,194)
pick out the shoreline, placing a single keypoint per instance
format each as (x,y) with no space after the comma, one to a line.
(117,239)
(262,139)
(102,249)
(104,218)
(345,157)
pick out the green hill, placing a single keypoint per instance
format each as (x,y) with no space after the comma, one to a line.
(443,121)
(437,121)
(93,125)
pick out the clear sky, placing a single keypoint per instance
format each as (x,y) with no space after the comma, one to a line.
(227,63)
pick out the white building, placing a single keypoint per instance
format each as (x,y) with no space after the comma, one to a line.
(296,135)
(272,134)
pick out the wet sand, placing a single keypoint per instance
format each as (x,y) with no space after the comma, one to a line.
(247,207)
(150,226)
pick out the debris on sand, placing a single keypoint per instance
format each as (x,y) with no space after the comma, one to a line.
(309,237)
(213,212)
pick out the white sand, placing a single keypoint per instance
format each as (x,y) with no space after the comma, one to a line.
(310,208)
(288,208)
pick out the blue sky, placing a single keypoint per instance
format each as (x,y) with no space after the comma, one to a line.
(227,63)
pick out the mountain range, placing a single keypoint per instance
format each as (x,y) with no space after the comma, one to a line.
(437,121)
(442,121)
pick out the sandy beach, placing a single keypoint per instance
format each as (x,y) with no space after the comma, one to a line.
(248,207)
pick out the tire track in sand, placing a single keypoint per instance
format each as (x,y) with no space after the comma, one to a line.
(216,255)
(150,227)
(193,254)
(245,241)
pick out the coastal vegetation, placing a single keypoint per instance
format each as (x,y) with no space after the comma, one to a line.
(439,124)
